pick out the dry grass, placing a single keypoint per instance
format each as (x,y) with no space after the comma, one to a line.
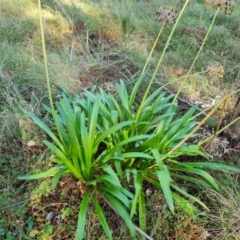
(224,216)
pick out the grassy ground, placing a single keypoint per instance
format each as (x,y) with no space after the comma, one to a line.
(97,43)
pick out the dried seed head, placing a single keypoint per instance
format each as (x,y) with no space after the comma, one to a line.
(227,5)
(167,14)
(215,72)
(230,6)
(216,146)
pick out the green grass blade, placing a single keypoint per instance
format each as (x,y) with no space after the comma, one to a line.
(137,187)
(82,215)
(153,121)
(136,155)
(199,172)
(162,102)
(111,130)
(172,109)
(110,171)
(118,146)
(142,213)
(102,218)
(65,136)
(185,194)
(93,121)
(132,139)
(122,212)
(46,129)
(164,179)
(87,150)
(113,104)
(127,193)
(76,154)
(107,178)
(123,94)
(118,167)
(189,150)
(56,177)
(117,193)
(63,158)
(186,178)
(157,156)
(213,166)
(67,116)
(50,172)
(135,90)
(189,114)
(184,204)
(152,97)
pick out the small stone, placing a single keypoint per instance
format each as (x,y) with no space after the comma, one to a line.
(58,218)
(31,143)
(149,192)
(49,216)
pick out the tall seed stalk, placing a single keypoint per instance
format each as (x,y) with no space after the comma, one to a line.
(196,57)
(160,61)
(154,45)
(54,114)
(45,56)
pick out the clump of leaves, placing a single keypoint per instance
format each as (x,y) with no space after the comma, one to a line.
(108,143)
(77,148)
(104,145)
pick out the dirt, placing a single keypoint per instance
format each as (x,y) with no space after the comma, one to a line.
(58,209)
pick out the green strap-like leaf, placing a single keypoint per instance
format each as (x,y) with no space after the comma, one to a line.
(185,194)
(174,186)
(46,129)
(213,166)
(56,177)
(63,158)
(199,172)
(189,113)
(110,171)
(184,204)
(136,155)
(151,124)
(158,158)
(82,215)
(126,193)
(152,97)
(167,121)
(187,178)
(123,94)
(142,213)
(135,90)
(87,149)
(137,187)
(116,148)
(50,172)
(109,179)
(93,121)
(164,179)
(111,130)
(116,192)
(102,218)
(118,168)
(122,212)
(116,106)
